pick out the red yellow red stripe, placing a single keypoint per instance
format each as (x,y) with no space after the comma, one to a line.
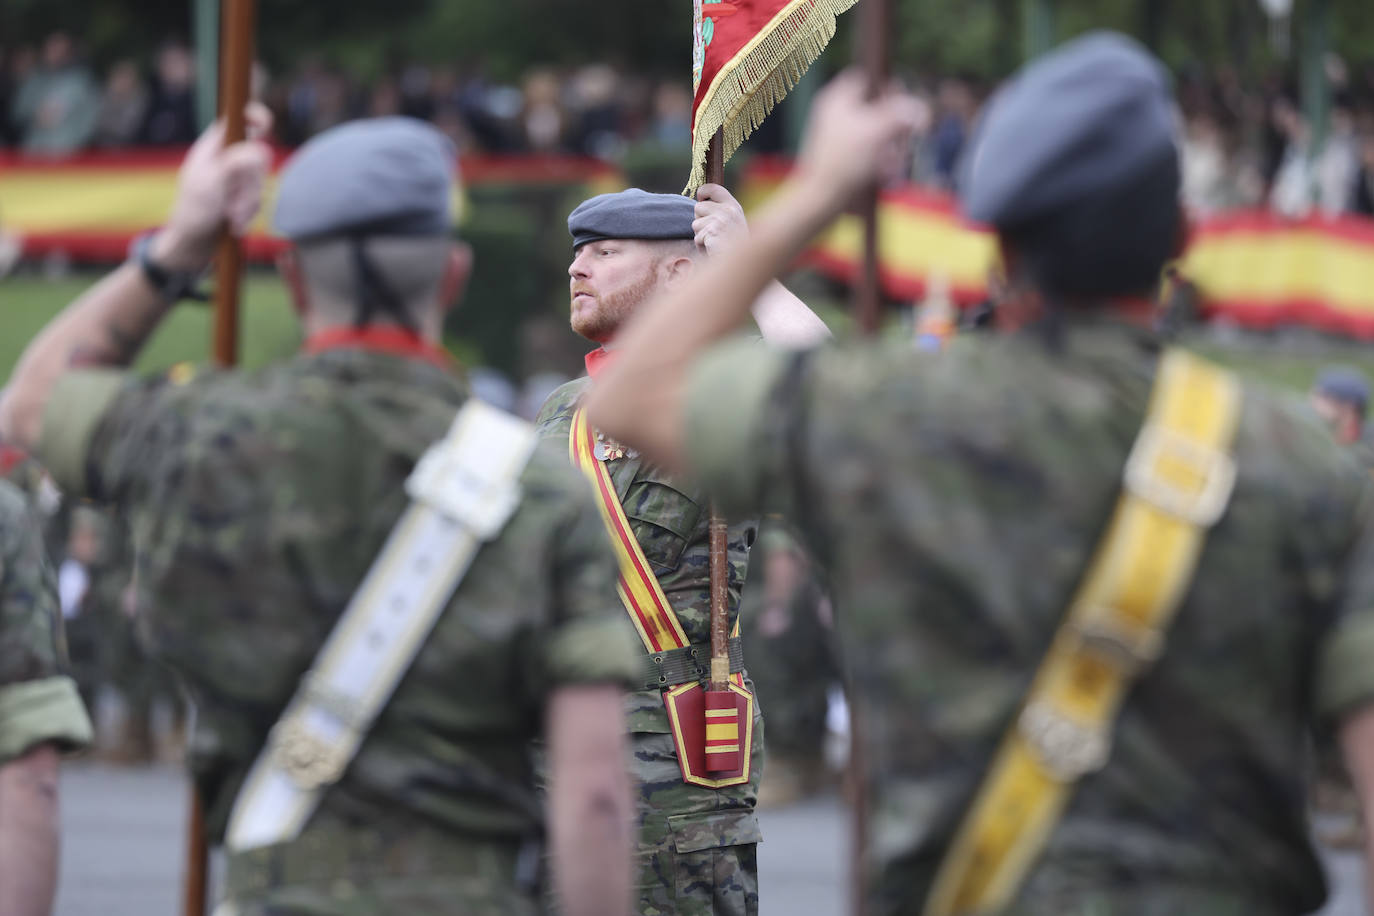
(1252,267)
(91,206)
(648,607)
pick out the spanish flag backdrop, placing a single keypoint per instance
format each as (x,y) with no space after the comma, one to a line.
(1252,268)
(90,207)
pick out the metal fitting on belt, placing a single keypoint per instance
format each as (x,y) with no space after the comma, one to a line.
(691,663)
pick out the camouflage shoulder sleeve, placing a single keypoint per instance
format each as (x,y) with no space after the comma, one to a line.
(734,441)
(589,639)
(38,702)
(75,407)
(555,417)
(130,435)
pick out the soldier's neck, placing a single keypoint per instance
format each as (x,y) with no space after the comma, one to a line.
(1137,310)
(1033,309)
(323,322)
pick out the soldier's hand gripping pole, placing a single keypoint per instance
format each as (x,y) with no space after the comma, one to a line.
(236,65)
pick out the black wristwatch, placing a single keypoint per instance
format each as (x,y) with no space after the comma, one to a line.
(172,285)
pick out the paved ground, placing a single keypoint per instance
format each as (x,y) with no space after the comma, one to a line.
(123,852)
(122,841)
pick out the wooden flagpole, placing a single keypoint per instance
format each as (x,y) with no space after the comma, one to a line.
(718,695)
(719,537)
(875,22)
(235,75)
(874,28)
(236,68)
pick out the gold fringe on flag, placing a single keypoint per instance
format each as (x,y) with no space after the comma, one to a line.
(745,90)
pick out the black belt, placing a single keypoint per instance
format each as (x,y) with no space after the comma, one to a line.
(692,663)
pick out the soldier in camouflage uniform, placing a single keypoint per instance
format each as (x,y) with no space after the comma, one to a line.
(1341,397)
(955,502)
(40,711)
(696,850)
(259,500)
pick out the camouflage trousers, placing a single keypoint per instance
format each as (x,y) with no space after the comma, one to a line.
(697,853)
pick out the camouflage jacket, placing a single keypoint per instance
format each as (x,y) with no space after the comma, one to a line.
(38,701)
(1363,448)
(956,500)
(670,519)
(259,500)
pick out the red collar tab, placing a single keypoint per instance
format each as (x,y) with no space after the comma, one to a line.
(394,341)
(11,458)
(598,360)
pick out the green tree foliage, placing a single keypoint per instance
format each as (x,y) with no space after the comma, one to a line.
(111,29)
(649,36)
(979,37)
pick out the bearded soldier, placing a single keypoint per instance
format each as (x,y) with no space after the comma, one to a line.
(697,833)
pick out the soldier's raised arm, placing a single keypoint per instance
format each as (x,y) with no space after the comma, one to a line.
(108,325)
(783,319)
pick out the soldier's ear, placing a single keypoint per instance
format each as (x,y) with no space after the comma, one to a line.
(1020,303)
(677,269)
(289,266)
(1185,233)
(456,274)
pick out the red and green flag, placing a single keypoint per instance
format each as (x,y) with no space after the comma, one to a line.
(747,55)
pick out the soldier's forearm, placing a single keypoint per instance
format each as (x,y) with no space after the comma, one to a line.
(106,326)
(590,813)
(28,833)
(639,397)
(786,321)
(1357,747)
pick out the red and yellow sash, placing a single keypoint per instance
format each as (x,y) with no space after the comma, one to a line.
(649,608)
(652,613)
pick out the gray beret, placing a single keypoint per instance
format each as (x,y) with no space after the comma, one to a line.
(379,176)
(632,214)
(1341,383)
(1091,116)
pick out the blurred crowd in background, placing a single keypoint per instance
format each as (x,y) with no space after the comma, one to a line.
(1246,145)
(54,104)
